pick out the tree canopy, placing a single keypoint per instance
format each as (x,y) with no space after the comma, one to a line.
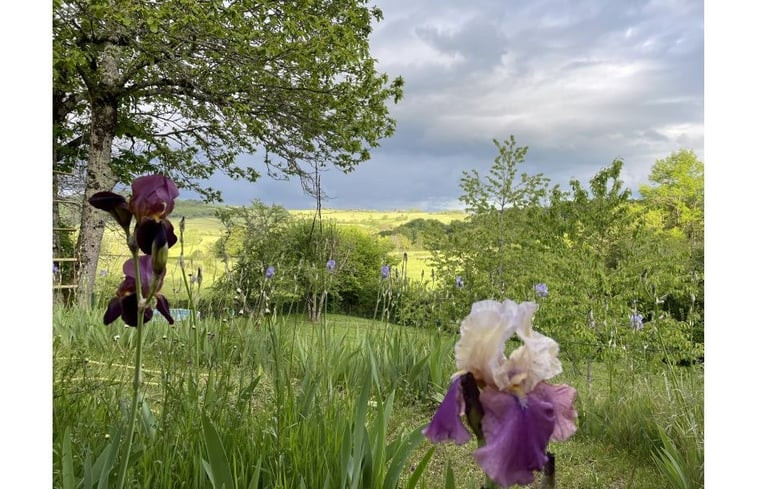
(196,83)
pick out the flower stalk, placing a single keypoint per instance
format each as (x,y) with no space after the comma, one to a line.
(141,306)
(190,297)
(151,202)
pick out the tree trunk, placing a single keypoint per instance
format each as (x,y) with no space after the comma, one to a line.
(100,177)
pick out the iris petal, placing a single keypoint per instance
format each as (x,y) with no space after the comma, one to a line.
(152,196)
(113,311)
(480,349)
(162,306)
(129,310)
(115,205)
(446,423)
(145,272)
(516,436)
(562,397)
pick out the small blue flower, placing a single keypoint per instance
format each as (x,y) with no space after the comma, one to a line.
(637,321)
(270,271)
(55,268)
(541,290)
(385,271)
(459,282)
(330,265)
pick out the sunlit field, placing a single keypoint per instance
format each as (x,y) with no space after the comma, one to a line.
(203,231)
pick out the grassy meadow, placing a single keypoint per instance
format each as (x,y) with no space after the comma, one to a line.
(336,404)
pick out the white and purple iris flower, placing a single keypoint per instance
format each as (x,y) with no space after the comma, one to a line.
(270,272)
(506,400)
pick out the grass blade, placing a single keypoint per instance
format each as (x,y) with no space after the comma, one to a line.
(416,475)
(399,458)
(67,461)
(449,478)
(218,463)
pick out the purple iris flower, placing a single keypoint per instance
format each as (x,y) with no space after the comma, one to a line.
(125,304)
(56,269)
(152,196)
(330,265)
(270,271)
(511,409)
(385,271)
(152,200)
(459,282)
(637,321)
(541,290)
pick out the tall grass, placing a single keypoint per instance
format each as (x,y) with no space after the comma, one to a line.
(292,404)
(338,404)
(654,412)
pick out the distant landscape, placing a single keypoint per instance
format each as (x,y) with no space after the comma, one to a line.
(203,229)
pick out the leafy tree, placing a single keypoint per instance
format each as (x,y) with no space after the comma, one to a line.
(182,87)
(678,193)
(676,202)
(486,250)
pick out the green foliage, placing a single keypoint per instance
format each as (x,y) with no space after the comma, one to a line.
(488,248)
(678,193)
(418,231)
(194,84)
(259,236)
(595,249)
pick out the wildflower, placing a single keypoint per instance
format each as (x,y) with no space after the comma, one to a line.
(125,303)
(270,271)
(459,282)
(541,290)
(152,197)
(509,406)
(330,265)
(385,271)
(56,269)
(637,321)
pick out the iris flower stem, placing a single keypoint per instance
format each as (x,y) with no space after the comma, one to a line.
(137,368)
(190,298)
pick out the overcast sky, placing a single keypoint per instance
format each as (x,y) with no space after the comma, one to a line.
(578,82)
